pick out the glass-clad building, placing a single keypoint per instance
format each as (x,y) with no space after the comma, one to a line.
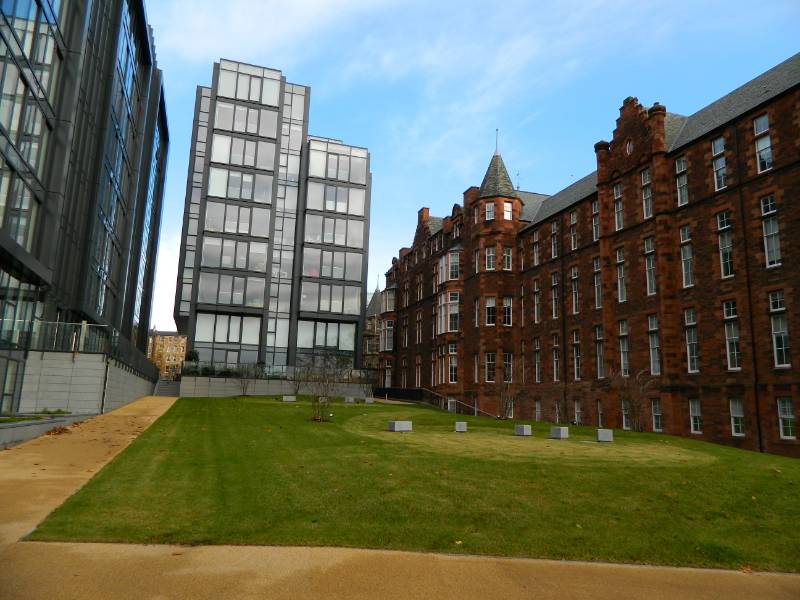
(276,227)
(83,144)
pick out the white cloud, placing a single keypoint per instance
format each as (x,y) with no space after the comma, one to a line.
(202,31)
(164,284)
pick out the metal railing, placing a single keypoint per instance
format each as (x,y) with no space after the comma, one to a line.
(78,338)
(261,371)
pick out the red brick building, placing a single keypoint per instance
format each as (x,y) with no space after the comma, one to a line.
(656,293)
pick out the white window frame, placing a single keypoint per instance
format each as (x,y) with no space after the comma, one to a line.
(736,409)
(654,344)
(732,335)
(490,258)
(488,214)
(647,195)
(619,216)
(556,354)
(508,259)
(486,363)
(761,130)
(650,265)
(655,411)
(624,349)
(687,264)
(681,181)
(597,282)
(508,311)
(573,230)
(554,295)
(780,330)
(490,302)
(599,352)
(508,210)
(690,335)
(622,291)
(786,419)
(769,215)
(695,417)
(576,355)
(718,163)
(595,220)
(725,245)
(576,304)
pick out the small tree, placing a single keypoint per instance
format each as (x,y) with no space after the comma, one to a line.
(329,369)
(246,374)
(559,408)
(632,393)
(299,377)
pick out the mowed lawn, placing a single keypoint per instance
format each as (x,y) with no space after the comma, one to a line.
(257,471)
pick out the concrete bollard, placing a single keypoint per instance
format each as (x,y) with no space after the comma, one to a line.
(349,400)
(605,435)
(369,400)
(290,399)
(400,426)
(461,426)
(559,433)
(522,430)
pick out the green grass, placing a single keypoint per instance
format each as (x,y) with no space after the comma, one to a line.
(257,471)
(19,419)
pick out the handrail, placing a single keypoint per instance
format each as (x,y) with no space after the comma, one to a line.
(447,399)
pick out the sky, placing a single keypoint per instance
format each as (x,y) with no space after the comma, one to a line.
(424,84)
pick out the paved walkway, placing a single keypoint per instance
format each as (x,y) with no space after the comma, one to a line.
(37,476)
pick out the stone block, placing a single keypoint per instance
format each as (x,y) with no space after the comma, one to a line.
(290,399)
(461,426)
(559,433)
(605,435)
(369,400)
(400,426)
(349,400)
(523,430)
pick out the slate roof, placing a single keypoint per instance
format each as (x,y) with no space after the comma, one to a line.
(374,306)
(673,124)
(570,195)
(680,130)
(496,182)
(435,224)
(769,84)
(531,202)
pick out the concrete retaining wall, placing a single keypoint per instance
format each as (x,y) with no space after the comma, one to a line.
(214,387)
(16,433)
(124,386)
(76,383)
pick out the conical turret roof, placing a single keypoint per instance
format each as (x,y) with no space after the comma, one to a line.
(496,182)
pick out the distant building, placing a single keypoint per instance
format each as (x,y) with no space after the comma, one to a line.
(84,144)
(371,331)
(676,261)
(276,227)
(167,350)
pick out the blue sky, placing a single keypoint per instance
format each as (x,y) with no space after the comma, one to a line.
(424,84)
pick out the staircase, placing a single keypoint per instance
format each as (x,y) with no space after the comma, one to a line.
(167,387)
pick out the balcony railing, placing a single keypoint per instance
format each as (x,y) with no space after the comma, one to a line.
(78,338)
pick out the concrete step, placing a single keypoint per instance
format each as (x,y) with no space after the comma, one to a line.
(166,387)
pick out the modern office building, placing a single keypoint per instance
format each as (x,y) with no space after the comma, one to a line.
(276,227)
(656,293)
(83,143)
